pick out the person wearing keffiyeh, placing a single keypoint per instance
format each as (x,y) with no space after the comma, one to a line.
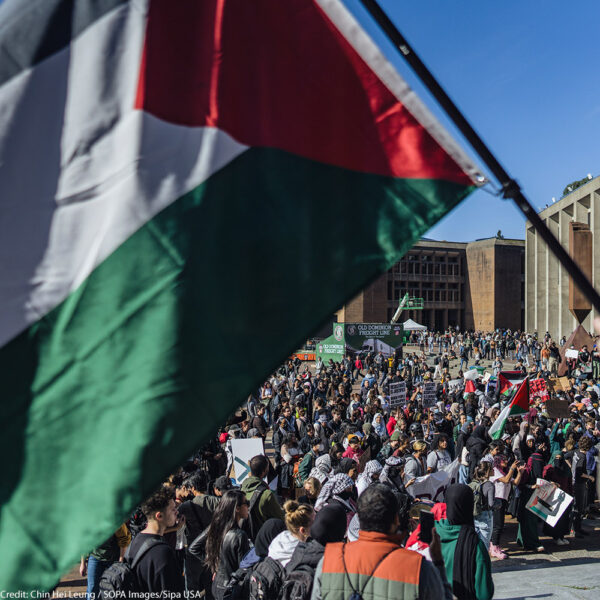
(339,490)
(368,476)
(334,488)
(322,468)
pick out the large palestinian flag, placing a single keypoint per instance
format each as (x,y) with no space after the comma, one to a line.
(187,190)
(519,405)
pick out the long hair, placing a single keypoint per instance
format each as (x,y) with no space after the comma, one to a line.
(222,522)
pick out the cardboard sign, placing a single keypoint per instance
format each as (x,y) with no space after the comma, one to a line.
(397,394)
(557,409)
(429,394)
(572,353)
(364,459)
(559,384)
(548,502)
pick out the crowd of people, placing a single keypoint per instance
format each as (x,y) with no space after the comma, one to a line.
(331,511)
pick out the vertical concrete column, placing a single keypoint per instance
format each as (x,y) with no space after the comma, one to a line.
(553,274)
(541,299)
(530,279)
(566,319)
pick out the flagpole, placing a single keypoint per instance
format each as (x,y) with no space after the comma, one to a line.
(510,188)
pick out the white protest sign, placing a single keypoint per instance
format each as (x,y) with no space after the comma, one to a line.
(243,451)
(572,353)
(429,394)
(471,375)
(454,384)
(548,502)
(434,485)
(397,393)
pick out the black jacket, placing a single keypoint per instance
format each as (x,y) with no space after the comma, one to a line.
(306,554)
(235,546)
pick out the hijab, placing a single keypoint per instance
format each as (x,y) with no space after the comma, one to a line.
(379,428)
(459,511)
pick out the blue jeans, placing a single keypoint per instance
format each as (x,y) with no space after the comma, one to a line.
(483,526)
(95,568)
(463,474)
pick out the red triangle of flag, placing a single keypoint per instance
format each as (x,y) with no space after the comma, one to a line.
(520,401)
(504,384)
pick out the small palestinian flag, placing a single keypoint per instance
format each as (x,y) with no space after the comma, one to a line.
(469,387)
(519,405)
(508,382)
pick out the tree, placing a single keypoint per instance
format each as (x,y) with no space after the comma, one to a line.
(574,185)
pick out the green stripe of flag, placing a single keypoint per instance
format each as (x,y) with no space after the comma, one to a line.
(168,335)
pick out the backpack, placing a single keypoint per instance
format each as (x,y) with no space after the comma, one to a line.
(120,577)
(253,524)
(479,499)
(298,584)
(266,580)
(237,587)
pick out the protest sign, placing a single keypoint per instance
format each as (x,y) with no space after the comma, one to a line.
(537,388)
(558,409)
(397,394)
(364,459)
(548,502)
(243,451)
(472,374)
(429,394)
(434,485)
(454,384)
(572,353)
(559,384)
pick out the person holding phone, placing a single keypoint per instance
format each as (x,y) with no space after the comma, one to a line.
(503,479)
(376,565)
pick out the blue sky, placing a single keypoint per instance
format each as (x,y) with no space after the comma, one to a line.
(526,75)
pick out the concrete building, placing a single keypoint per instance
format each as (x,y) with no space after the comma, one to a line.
(546,282)
(475,285)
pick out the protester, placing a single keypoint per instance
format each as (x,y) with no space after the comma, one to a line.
(334,440)
(466,557)
(226,542)
(157,569)
(377,556)
(298,519)
(484,494)
(102,557)
(265,504)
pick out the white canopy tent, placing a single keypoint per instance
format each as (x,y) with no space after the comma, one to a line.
(411,325)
